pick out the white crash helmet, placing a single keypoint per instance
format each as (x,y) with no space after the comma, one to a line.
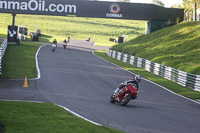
(138,78)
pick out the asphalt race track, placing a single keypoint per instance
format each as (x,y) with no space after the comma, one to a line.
(82,82)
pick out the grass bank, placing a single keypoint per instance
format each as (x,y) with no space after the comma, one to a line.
(176,46)
(26,117)
(19,61)
(98,29)
(157,79)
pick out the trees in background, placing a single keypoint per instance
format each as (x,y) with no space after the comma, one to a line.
(191,7)
(158,2)
(196,4)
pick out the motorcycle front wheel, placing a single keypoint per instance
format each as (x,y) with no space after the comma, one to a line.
(112,100)
(125,100)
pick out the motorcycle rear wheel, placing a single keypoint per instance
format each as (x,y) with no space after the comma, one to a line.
(125,100)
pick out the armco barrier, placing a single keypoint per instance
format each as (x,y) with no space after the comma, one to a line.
(187,80)
(3,48)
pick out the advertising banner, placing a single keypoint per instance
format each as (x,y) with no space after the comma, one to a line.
(95,9)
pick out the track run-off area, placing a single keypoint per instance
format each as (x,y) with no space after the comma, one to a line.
(77,79)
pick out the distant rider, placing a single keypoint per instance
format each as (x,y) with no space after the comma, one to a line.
(55,42)
(68,39)
(135,82)
(65,43)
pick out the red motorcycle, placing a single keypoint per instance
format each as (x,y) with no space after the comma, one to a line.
(125,94)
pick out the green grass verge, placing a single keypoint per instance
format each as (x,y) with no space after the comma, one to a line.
(98,29)
(26,117)
(157,79)
(176,46)
(19,61)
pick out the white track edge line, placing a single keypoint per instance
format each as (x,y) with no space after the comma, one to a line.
(79,115)
(151,81)
(68,110)
(37,66)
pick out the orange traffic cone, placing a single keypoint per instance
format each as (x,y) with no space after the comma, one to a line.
(25,82)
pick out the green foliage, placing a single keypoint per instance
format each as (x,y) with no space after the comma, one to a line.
(99,30)
(158,2)
(19,61)
(176,46)
(190,9)
(26,117)
(157,79)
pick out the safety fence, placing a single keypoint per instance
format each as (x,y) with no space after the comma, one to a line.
(2,51)
(187,80)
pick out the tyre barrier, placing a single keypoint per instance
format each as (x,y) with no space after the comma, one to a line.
(3,48)
(184,79)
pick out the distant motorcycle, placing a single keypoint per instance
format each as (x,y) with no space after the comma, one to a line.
(64,45)
(125,94)
(53,47)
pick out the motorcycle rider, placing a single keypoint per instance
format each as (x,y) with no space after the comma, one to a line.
(65,43)
(135,82)
(68,39)
(55,42)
